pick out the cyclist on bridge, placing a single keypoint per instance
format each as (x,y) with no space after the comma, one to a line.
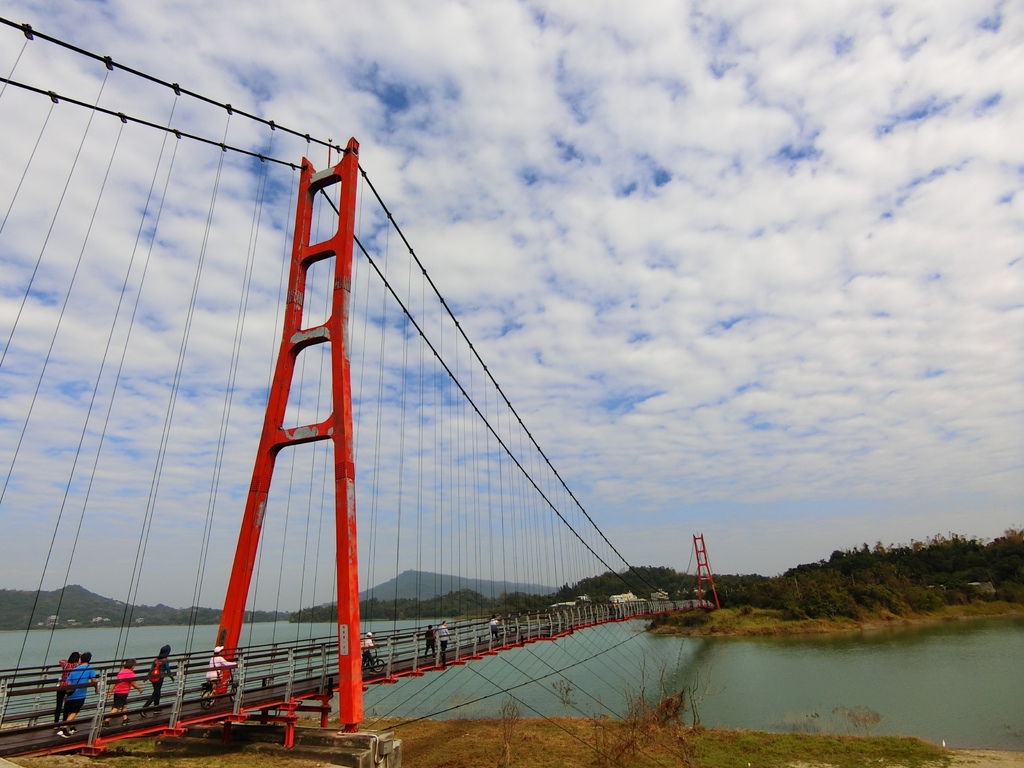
(367,645)
(215,674)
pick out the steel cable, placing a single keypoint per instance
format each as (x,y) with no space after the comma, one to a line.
(24,171)
(154,488)
(229,387)
(92,400)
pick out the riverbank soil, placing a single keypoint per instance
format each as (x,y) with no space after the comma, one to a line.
(512,742)
(986,758)
(745,621)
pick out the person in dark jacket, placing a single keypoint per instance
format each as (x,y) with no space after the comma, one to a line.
(430,640)
(160,670)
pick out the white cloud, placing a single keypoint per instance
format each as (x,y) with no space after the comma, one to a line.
(746,269)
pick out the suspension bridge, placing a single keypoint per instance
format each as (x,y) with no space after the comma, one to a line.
(187,283)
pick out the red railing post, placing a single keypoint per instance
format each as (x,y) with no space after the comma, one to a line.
(337,427)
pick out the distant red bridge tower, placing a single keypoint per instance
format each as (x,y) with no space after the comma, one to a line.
(703,569)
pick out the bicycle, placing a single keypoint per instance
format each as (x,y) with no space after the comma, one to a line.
(209,692)
(373,663)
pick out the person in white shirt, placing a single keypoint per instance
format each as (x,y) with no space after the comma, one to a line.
(442,635)
(367,645)
(215,674)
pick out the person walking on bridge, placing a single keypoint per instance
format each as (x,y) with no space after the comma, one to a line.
(66,666)
(79,679)
(442,635)
(125,681)
(160,669)
(430,641)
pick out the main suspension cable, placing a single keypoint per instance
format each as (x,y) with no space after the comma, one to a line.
(58,98)
(31,33)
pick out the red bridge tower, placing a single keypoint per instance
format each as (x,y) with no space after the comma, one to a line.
(337,427)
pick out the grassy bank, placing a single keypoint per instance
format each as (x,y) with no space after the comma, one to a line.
(571,743)
(751,622)
(577,743)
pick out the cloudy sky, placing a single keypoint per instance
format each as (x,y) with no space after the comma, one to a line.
(746,269)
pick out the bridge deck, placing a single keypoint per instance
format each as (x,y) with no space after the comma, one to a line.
(283,678)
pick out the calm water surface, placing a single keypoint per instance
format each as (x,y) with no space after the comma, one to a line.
(962,682)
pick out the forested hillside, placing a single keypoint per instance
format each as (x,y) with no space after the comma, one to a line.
(78,606)
(459,604)
(869,580)
(899,579)
(641,581)
(425,585)
(467,602)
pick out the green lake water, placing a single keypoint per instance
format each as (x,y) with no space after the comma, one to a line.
(961,682)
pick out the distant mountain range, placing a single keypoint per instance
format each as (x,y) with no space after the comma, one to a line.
(424,585)
(81,608)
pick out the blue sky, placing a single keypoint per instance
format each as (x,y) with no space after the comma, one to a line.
(752,270)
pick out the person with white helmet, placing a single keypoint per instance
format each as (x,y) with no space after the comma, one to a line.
(216,672)
(367,645)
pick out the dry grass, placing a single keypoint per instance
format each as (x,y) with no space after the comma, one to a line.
(651,735)
(145,754)
(637,742)
(573,743)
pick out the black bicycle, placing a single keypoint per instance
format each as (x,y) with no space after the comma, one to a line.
(209,693)
(373,663)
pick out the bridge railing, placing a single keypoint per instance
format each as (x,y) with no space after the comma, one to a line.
(273,675)
(405,651)
(28,696)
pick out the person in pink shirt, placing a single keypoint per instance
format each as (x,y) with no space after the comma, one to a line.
(66,665)
(125,681)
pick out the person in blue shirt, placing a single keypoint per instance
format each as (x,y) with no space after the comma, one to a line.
(78,681)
